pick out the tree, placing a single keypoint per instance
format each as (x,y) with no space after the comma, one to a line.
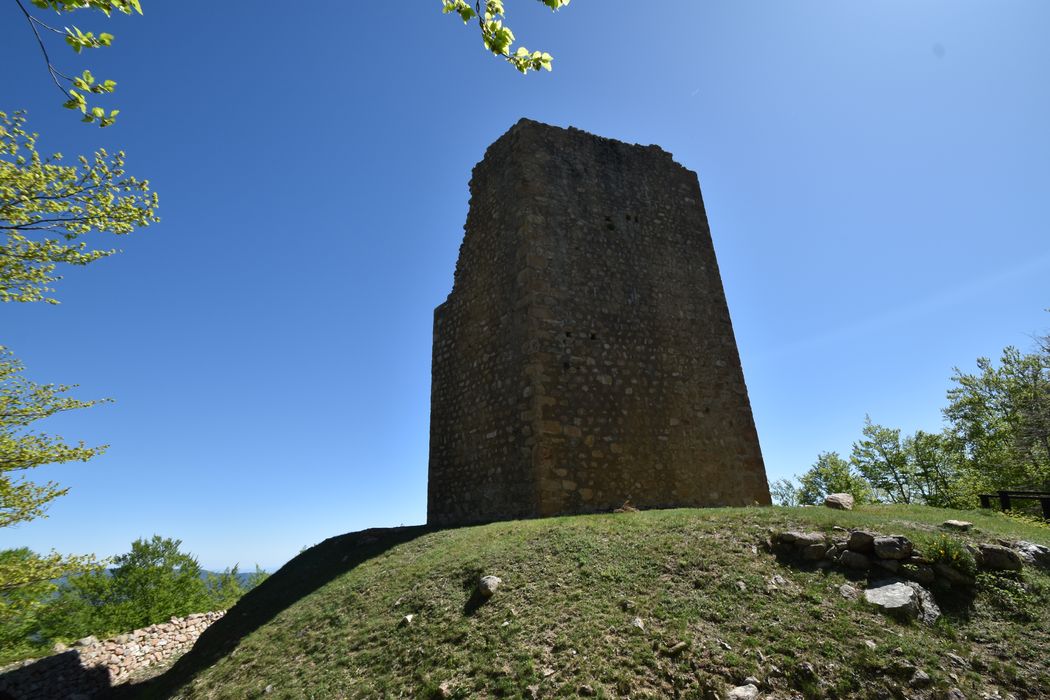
(47,209)
(23,402)
(149,584)
(832,474)
(784,493)
(19,605)
(224,589)
(496,36)
(75,88)
(829,474)
(880,457)
(1000,416)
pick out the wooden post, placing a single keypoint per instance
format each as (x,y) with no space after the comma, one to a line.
(1046,507)
(1004,500)
(986,500)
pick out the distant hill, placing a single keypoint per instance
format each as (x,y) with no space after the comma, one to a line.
(242,576)
(659,604)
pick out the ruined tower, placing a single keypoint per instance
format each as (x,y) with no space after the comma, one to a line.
(585,355)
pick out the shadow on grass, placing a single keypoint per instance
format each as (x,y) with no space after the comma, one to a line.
(295,580)
(58,676)
(470,584)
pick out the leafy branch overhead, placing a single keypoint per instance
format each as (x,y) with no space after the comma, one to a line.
(76,88)
(497,37)
(46,208)
(22,403)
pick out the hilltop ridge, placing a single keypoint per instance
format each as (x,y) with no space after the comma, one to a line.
(679,603)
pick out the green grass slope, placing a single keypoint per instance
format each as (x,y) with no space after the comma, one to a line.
(564,622)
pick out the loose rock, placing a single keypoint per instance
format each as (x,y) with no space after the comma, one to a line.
(802,539)
(488,584)
(904,600)
(895,599)
(893,547)
(848,592)
(1032,553)
(839,501)
(960,525)
(814,552)
(861,541)
(999,558)
(855,560)
(921,573)
(891,565)
(952,575)
(920,679)
(743,692)
(676,649)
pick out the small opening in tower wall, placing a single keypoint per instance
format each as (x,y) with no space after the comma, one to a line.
(568,334)
(594,337)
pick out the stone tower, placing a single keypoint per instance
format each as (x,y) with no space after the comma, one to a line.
(585,355)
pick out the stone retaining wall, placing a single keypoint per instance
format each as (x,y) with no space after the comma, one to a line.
(91,666)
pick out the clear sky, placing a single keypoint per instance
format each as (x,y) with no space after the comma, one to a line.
(877,177)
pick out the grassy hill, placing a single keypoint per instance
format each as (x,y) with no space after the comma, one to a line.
(677,603)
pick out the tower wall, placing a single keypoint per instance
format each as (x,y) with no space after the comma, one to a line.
(585,355)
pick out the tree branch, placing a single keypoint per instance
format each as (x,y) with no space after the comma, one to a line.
(47,59)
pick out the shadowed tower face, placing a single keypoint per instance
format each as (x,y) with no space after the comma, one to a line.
(585,355)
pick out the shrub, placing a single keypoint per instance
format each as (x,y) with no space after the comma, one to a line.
(948,550)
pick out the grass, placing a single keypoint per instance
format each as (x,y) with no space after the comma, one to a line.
(329,624)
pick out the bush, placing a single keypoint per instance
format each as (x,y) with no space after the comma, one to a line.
(948,550)
(150,584)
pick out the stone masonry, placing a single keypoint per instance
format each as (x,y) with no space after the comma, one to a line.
(92,668)
(585,356)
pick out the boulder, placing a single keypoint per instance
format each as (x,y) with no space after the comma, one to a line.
(892,547)
(1034,554)
(488,584)
(953,575)
(960,525)
(814,552)
(743,692)
(855,560)
(904,600)
(896,599)
(928,610)
(802,540)
(861,541)
(891,565)
(921,573)
(999,558)
(920,679)
(839,501)
(848,592)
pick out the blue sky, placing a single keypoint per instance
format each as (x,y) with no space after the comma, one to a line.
(877,177)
